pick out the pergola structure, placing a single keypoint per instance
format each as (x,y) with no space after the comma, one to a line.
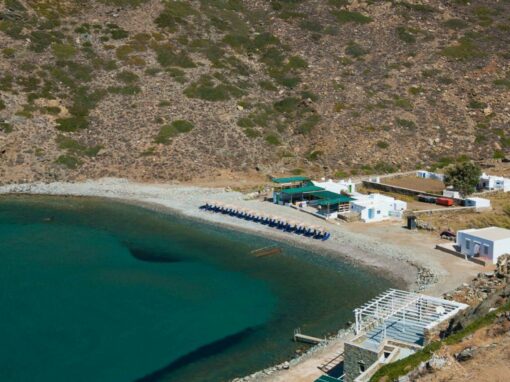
(405,315)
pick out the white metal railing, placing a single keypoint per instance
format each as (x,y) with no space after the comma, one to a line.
(411,309)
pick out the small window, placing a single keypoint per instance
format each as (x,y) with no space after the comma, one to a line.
(485,249)
(378,212)
(386,354)
(468,243)
(361,366)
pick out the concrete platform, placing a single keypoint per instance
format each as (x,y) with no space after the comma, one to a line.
(451,248)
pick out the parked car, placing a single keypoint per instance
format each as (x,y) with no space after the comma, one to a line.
(444,202)
(426,198)
(448,235)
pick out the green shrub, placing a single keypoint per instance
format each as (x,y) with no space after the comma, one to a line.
(273,139)
(72,123)
(152,71)
(127,77)
(273,57)
(406,36)
(503,82)
(166,57)
(296,62)
(69,161)
(245,122)
(8,52)
(76,148)
(288,81)
(150,151)
(63,51)
(406,123)
(2,105)
(166,132)
(177,74)
(456,24)
(428,73)
(53,110)
(498,154)
(164,103)
(345,16)
(383,144)
(6,127)
(403,103)
(474,104)
(252,133)
(415,90)
(309,95)
(267,85)
(309,123)
(118,34)
(84,101)
(182,126)
(174,14)
(314,155)
(311,25)
(286,105)
(206,89)
(355,50)
(464,50)
(341,174)
(123,52)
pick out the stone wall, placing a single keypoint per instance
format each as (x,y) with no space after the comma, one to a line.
(486,291)
(353,356)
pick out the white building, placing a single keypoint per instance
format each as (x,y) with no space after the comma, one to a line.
(489,243)
(451,193)
(342,186)
(494,183)
(377,207)
(478,202)
(429,175)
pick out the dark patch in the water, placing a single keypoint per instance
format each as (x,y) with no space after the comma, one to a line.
(201,353)
(153,257)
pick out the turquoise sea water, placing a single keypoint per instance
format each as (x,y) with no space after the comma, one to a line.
(92,290)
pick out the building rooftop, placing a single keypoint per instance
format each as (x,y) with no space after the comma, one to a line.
(290,179)
(489,233)
(302,190)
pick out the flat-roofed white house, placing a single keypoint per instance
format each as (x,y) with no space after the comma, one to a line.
(342,186)
(377,207)
(494,183)
(429,175)
(488,243)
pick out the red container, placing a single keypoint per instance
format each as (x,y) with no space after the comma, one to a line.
(444,202)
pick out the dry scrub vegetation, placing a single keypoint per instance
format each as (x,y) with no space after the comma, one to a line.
(161,90)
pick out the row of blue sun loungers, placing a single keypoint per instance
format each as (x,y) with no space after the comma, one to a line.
(275,222)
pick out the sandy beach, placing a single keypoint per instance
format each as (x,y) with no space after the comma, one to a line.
(386,246)
(408,257)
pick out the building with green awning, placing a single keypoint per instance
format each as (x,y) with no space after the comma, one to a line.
(290,179)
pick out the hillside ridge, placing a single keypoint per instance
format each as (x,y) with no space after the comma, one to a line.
(187,90)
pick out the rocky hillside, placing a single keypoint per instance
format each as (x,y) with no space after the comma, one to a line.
(162,90)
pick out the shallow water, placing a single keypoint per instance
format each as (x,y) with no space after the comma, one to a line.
(92,290)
